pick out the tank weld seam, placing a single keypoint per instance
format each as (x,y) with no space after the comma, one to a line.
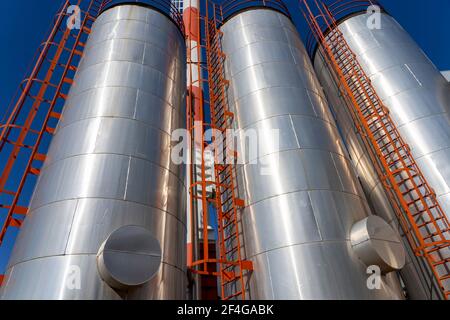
(101,43)
(284,62)
(75,255)
(277,87)
(319,231)
(235,101)
(103,62)
(397,65)
(292,149)
(312,242)
(142,253)
(348,162)
(77,94)
(45,168)
(84,66)
(265,41)
(146,124)
(379,46)
(377,183)
(315,117)
(238,26)
(71,226)
(415,87)
(361,198)
(111,199)
(269,61)
(280,115)
(95,31)
(293,129)
(434,115)
(288,41)
(357,162)
(149,23)
(81,72)
(295,63)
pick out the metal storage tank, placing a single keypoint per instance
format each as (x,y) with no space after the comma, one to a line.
(418,98)
(297,222)
(109,166)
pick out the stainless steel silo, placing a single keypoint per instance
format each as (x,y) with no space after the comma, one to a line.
(297,221)
(418,98)
(109,166)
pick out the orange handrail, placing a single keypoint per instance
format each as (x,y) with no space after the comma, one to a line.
(20,140)
(419,212)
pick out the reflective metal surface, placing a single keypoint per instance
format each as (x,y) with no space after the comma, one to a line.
(130,257)
(297,221)
(418,98)
(378,244)
(109,165)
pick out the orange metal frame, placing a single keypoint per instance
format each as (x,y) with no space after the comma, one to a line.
(232,267)
(38,109)
(211,77)
(414,201)
(199,263)
(36,112)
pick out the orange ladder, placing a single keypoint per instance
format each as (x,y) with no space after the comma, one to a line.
(37,111)
(232,265)
(414,201)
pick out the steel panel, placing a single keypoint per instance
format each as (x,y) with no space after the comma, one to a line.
(259,187)
(93,220)
(109,164)
(122,102)
(313,133)
(297,220)
(45,232)
(48,278)
(113,136)
(287,138)
(311,272)
(418,99)
(278,101)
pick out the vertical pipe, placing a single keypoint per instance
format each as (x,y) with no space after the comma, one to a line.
(198,224)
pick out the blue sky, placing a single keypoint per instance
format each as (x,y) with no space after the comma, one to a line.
(25,22)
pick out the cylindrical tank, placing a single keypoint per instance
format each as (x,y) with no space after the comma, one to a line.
(418,98)
(109,166)
(297,221)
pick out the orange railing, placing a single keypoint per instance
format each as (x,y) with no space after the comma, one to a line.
(230,7)
(168,7)
(340,9)
(420,214)
(211,106)
(37,110)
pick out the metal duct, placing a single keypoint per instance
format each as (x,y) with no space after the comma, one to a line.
(419,101)
(109,165)
(297,222)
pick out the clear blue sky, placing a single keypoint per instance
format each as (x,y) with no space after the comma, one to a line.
(24,23)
